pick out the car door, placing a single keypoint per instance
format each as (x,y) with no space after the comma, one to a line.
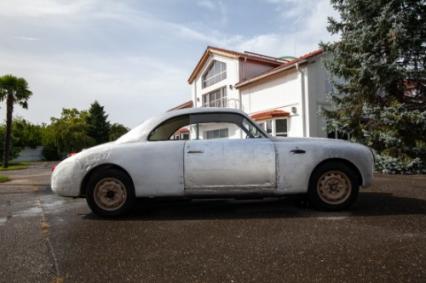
(229,165)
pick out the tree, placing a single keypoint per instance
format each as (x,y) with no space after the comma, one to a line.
(97,123)
(14,152)
(378,73)
(117,130)
(13,90)
(26,133)
(66,134)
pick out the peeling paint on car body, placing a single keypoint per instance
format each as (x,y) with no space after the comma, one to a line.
(157,168)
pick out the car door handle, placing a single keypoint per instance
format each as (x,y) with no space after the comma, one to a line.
(195,151)
(298,151)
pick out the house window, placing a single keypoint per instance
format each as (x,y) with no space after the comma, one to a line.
(216,72)
(269,126)
(185,137)
(216,134)
(281,127)
(275,127)
(216,98)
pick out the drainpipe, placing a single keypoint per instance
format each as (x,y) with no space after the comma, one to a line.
(195,94)
(302,80)
(242,77)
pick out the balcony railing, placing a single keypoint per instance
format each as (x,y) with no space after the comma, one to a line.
(227,103)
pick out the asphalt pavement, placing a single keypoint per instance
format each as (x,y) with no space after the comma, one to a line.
(47,238)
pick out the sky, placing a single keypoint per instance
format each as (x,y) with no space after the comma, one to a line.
(135,56)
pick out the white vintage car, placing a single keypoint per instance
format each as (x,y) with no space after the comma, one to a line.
(212,152)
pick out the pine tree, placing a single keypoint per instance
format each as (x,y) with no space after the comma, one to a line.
(98,125)
(378,74)
(116,131)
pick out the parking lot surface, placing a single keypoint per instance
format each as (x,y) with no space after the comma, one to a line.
(47,238)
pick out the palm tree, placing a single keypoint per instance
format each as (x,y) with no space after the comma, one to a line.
(13,90)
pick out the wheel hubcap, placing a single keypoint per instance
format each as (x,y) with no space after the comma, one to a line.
(334,187)
(110,194)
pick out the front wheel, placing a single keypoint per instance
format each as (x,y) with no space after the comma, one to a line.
(110,193)
(333,186)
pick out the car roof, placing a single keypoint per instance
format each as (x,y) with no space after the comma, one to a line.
(145,128)
(200,110)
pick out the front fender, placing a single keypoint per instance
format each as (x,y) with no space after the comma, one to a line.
(66,178)
(294,170)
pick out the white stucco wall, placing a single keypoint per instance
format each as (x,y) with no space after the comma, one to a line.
(30,154)
(232,77)
(317,88)
(282,92)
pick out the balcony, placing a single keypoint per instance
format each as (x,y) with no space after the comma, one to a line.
(225,103)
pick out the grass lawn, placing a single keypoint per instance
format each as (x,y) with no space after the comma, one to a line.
(4,179)
(15,166)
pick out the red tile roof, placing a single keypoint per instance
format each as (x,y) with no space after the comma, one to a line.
(268,114)
(182,131)
(188,104)
(280,68)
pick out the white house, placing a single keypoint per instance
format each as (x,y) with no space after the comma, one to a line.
(283,95)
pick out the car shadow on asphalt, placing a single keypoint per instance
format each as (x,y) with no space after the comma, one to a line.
(368,204)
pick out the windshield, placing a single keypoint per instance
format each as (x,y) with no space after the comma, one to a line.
(134,134)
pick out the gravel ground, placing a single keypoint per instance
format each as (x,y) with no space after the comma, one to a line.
(44,237)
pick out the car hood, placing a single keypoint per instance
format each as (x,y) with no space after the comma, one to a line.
(99,150)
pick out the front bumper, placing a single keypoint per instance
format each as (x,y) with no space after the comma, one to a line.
(67,178)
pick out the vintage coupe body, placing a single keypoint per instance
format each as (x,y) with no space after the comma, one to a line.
(235,159)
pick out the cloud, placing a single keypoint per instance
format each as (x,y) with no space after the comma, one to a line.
(26,38)
(208,4)
(128,86)
(303,27)
(308,21)
(134,62)
(217,7)
(38,8)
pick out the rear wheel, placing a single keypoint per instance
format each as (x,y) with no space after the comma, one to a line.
(333,186)
(110,193)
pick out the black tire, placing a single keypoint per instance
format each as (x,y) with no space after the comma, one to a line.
(121,183)
(326,174)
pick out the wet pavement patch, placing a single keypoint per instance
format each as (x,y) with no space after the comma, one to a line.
(47,238)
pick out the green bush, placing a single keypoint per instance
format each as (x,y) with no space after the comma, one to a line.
(50,153)
(392,165)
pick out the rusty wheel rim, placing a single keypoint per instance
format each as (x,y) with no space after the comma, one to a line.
(110,194)
(334,187)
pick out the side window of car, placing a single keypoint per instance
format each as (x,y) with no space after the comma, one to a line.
(169,129)
(216,130)
(206,126)
(222,126)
